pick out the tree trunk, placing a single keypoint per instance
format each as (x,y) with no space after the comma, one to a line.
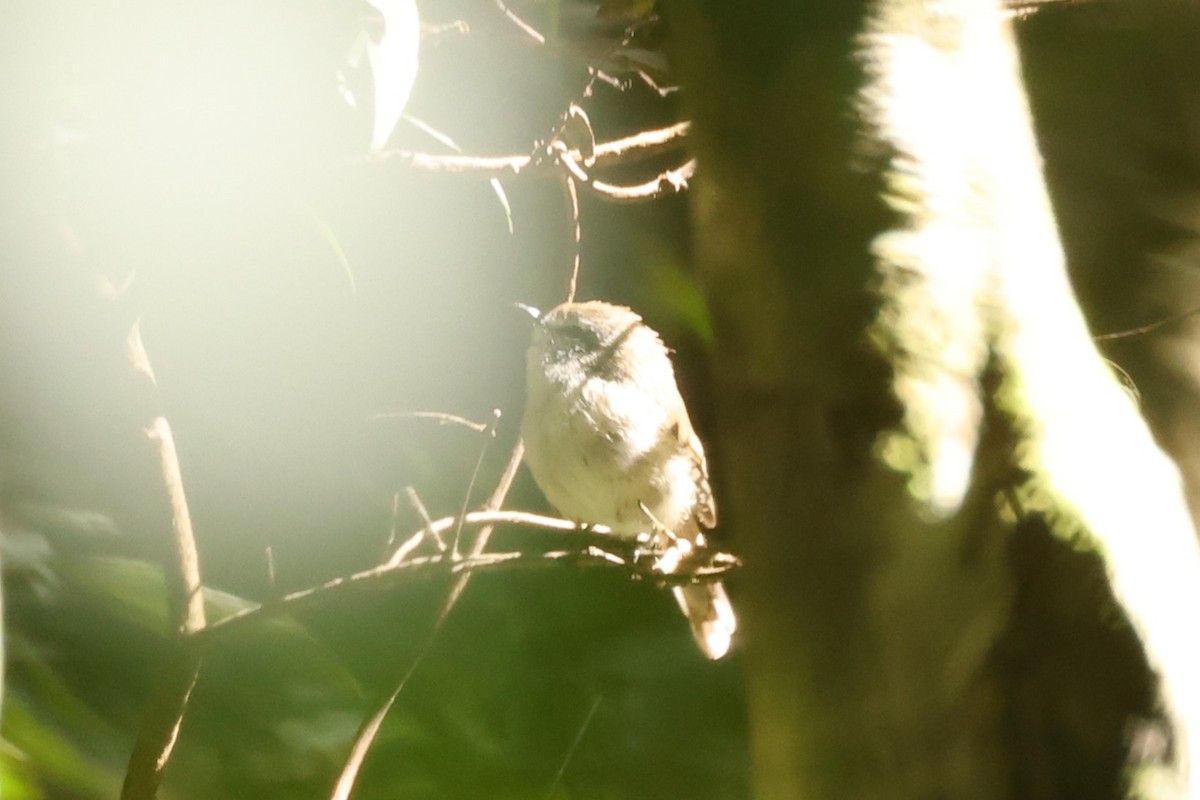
(867,237)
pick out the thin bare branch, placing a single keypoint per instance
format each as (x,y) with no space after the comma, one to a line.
(269,554)
(368,731)
(389,546)
(594,546)
(414,541)
(481,539)
(1020,9)
(439,416)
(587,721)
(454,552)
(525,27)
(577,234)
(608,154)
(650,142)
(672,181)
(442,138)
(415,501)
(136,352)
(1147,328)
(160,726)
(189,602)
(164,714)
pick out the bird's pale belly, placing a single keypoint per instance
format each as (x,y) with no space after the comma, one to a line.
(596,476)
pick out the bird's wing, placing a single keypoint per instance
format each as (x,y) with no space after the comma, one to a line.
(706,506)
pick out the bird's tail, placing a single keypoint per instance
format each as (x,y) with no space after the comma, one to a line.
(708,609)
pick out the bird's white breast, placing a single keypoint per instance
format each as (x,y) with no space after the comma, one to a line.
(601,448)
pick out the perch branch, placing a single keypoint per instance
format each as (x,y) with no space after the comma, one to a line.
(597,550)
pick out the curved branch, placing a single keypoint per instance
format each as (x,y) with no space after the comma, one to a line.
(673,181)
(595,546)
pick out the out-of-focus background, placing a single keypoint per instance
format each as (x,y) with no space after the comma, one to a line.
(197,172)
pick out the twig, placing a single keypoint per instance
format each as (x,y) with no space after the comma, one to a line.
(189,601)
(562,769)
(525,27)
(454,552)
(370,729)
(556,160)
(672,181)
(650,142)
(441,417)
(440,565)
(410,544)
(391,539)
(577,238)
(497,187)
(415,501)
(164,714)
(617,152)
(1147,328)
(160,726)
(269,553)
(481,539)
(1020,9)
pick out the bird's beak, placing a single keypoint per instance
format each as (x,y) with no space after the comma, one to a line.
(530,310)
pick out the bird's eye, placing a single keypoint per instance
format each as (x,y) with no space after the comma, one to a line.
(575,338)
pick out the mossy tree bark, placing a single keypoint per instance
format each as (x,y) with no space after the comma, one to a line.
(866,267)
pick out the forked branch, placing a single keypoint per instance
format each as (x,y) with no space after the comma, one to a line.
(555,160)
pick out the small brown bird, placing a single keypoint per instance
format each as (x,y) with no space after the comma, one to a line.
(608,440)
